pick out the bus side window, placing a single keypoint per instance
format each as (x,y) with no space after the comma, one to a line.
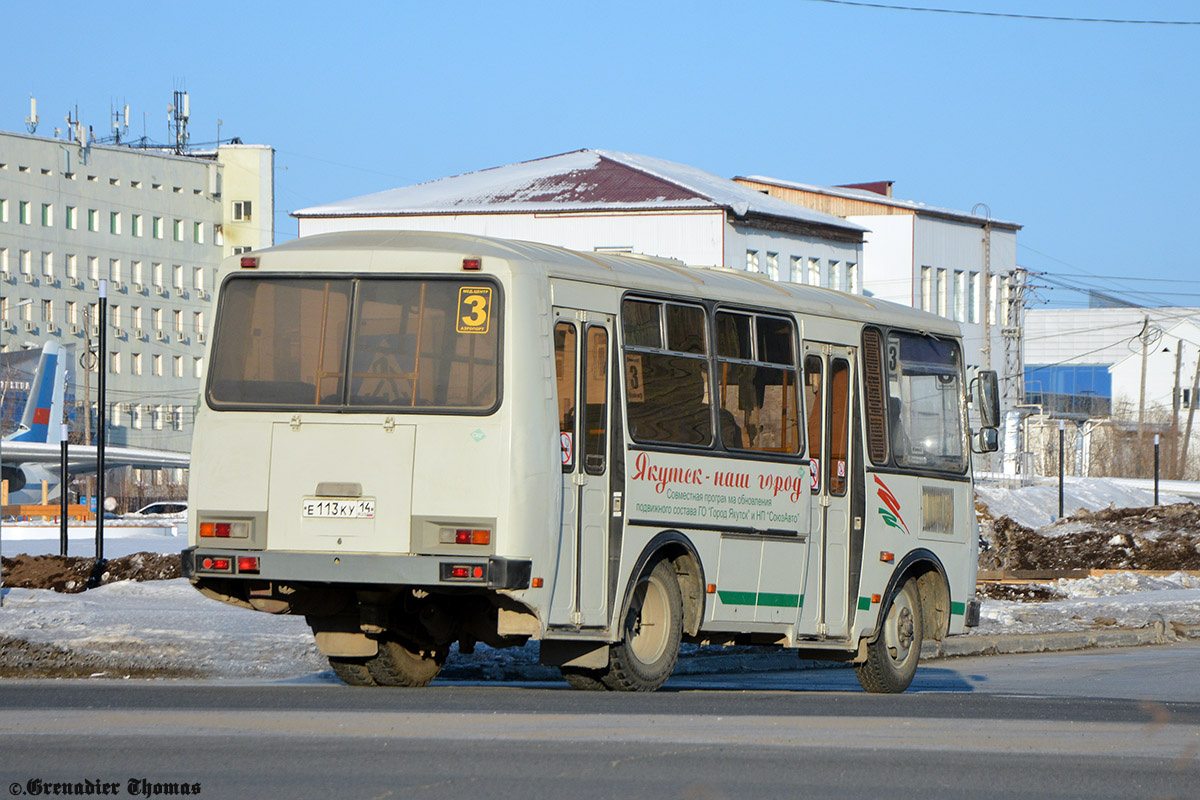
(812,410)
(564,364)
(595,420)
(839,426)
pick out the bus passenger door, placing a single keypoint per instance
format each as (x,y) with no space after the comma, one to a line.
(582,341)
(828,382)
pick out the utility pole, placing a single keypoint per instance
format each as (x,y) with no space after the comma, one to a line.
(1173,465)
(1141,429)
(1187,431)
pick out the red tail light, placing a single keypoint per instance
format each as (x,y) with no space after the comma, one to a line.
(247,564)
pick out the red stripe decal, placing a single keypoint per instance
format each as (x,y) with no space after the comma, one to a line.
(41,416)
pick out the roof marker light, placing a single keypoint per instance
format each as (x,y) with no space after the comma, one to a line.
(249,262)
(472,263)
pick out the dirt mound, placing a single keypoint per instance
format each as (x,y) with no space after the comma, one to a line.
(1161,537)
(75,574)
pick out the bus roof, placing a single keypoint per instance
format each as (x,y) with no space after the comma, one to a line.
(630,271)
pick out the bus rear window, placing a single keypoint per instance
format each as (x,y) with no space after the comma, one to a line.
(425,345)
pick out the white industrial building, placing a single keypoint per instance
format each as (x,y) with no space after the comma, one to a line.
(152,223)
(601,200)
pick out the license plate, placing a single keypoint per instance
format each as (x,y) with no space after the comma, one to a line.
(338,509)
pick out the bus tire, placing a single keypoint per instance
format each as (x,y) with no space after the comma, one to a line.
(892,658)
(645,655)
(587,680)
(398,665)
(352,671)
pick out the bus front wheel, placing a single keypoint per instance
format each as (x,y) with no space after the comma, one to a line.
(892,658)
(352,671)
(645,656)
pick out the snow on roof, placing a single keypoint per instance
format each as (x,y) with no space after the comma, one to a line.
(873,197)
(584,180)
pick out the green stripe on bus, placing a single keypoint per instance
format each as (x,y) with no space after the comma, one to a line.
(958,608)
(864,604)
(771,599)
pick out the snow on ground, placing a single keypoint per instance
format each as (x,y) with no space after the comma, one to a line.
(122,537)
(171,621)
(1035,506)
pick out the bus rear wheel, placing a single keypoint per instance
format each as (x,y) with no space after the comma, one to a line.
(397,664)
(645,656)
(892,658)
(352,671)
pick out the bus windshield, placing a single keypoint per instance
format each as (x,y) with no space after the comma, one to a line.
(412,344)
(925,402)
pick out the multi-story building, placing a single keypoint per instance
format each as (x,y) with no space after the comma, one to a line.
(603,200)
(153,224)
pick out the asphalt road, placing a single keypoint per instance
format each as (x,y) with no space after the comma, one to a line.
(1097,724)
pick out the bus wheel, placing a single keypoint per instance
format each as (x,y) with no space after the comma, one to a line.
(892,658)
(587,680)
(645,656)
(397,665)
(352,671)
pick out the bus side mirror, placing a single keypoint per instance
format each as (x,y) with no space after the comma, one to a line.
(986,440)
(986,399)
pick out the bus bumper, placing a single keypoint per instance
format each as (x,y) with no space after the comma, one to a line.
(491,572)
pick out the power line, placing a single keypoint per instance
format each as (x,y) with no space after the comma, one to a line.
(1006,15)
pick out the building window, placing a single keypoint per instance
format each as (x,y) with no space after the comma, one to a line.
(114,222)
(93,220)
(135,317)
(178,320)
(24,212)
(197,367)
(135,364)
(237,251)
(135,224)
(157,366)
(26,262)
(178,278)
(156,273)
(852,278)
(942,288)
(72,266)
(72,218)
(114,316)
(751,261)
(4,260)
(178,366)
(178,230)
(48,264)
(47,311)
(94,268)
(198,320)
(973,297)
(135,275)
(796,270)
(218,235)
(926,288)
(814,272)
(114,363)
(156,228)
(835,275)
(137,417)
(72,312)
(960,295)
(156,318)
(114,270)
(114,414)
(241,211)
(47,215)
(3,210)
(773,266)
(198,278)
(198,232)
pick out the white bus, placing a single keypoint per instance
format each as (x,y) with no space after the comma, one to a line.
(422,439)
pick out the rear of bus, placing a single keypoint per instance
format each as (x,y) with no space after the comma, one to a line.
(348,447)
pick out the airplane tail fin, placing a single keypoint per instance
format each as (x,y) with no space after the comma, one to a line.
(44,409)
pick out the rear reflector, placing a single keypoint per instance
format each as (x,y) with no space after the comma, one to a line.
(474,573)
(216,563)
(247,564)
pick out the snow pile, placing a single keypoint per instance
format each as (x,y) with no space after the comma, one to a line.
(1035,506)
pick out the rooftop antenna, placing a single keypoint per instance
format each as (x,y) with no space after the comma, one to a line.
(177,116)
(120,123)
(31,122)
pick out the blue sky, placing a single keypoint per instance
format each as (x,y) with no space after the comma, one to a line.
(1085,133)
